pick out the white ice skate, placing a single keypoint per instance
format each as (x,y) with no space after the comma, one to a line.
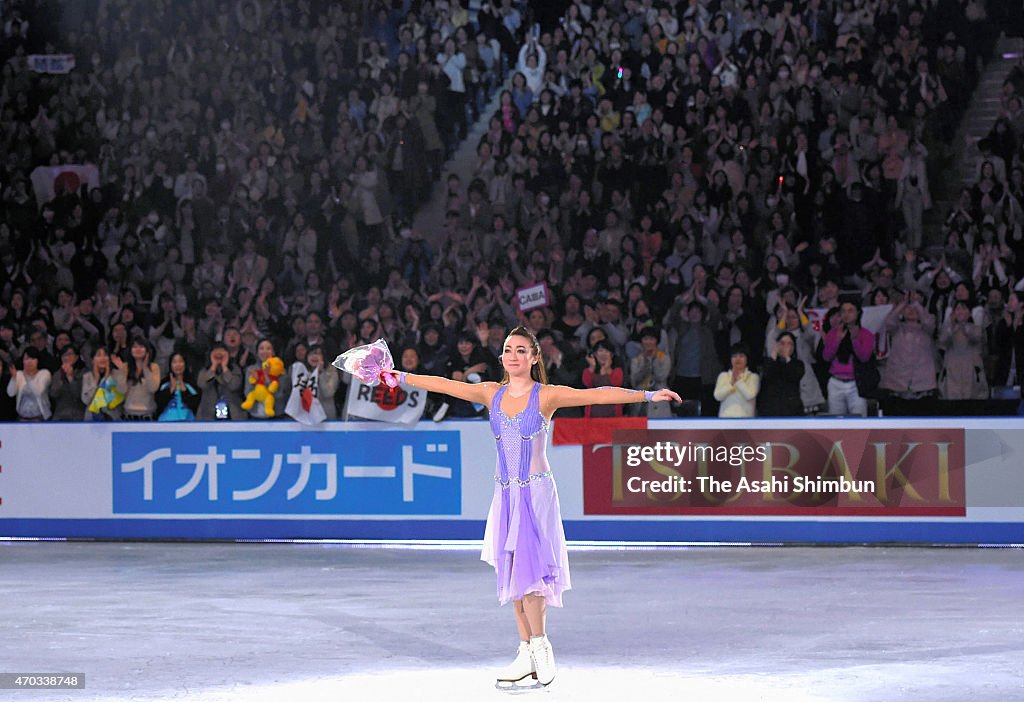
(521,669)
(543,659)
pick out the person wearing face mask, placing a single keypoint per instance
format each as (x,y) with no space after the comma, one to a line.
(222,184)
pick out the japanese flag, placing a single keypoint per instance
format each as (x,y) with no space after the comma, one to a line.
(304,402)
(400,405)
(68,178)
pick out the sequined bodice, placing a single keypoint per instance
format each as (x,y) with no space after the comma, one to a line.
(521,440)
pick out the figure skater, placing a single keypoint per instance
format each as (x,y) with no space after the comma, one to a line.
(524,540)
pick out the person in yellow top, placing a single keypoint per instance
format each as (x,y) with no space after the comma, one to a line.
(609,116)
(737,387)
(458,14)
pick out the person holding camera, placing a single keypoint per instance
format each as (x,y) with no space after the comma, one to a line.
(221,386)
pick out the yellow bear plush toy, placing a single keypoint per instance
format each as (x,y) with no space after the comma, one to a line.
(264,382)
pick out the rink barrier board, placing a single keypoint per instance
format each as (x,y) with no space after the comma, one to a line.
(688,531)
(60,480)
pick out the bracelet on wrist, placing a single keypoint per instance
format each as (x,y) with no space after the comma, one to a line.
(401,378)
(648,395)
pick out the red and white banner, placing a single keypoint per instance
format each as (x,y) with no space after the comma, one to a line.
(912,472)
(401,405)
(304,404)
(48,180)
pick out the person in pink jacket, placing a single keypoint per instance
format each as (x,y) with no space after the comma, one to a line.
(844,341)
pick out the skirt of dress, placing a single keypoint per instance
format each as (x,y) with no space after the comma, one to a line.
(525,543)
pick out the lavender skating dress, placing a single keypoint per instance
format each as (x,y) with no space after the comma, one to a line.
(524,539)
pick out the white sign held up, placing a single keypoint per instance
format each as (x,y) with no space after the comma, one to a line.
(532,296)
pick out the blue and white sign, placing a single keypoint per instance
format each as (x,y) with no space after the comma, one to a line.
(287,473)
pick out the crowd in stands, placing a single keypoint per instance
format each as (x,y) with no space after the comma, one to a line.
(715,193)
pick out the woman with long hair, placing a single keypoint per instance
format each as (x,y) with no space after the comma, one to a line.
(177,399)
(100,395)
(138,380)
(524,540)
(119,341)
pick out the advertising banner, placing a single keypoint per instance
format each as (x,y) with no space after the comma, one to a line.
(806,481)
(912,472)
(287,473)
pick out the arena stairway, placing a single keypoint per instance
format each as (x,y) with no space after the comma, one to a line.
(977,121)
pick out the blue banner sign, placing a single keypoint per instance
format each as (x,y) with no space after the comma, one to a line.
(287,473)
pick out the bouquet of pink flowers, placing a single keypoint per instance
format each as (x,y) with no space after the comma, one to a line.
(366,363)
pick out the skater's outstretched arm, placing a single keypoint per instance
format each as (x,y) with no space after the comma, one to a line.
(472,392)
(555,397)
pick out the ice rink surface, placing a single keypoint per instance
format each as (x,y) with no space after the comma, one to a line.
(300,623)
